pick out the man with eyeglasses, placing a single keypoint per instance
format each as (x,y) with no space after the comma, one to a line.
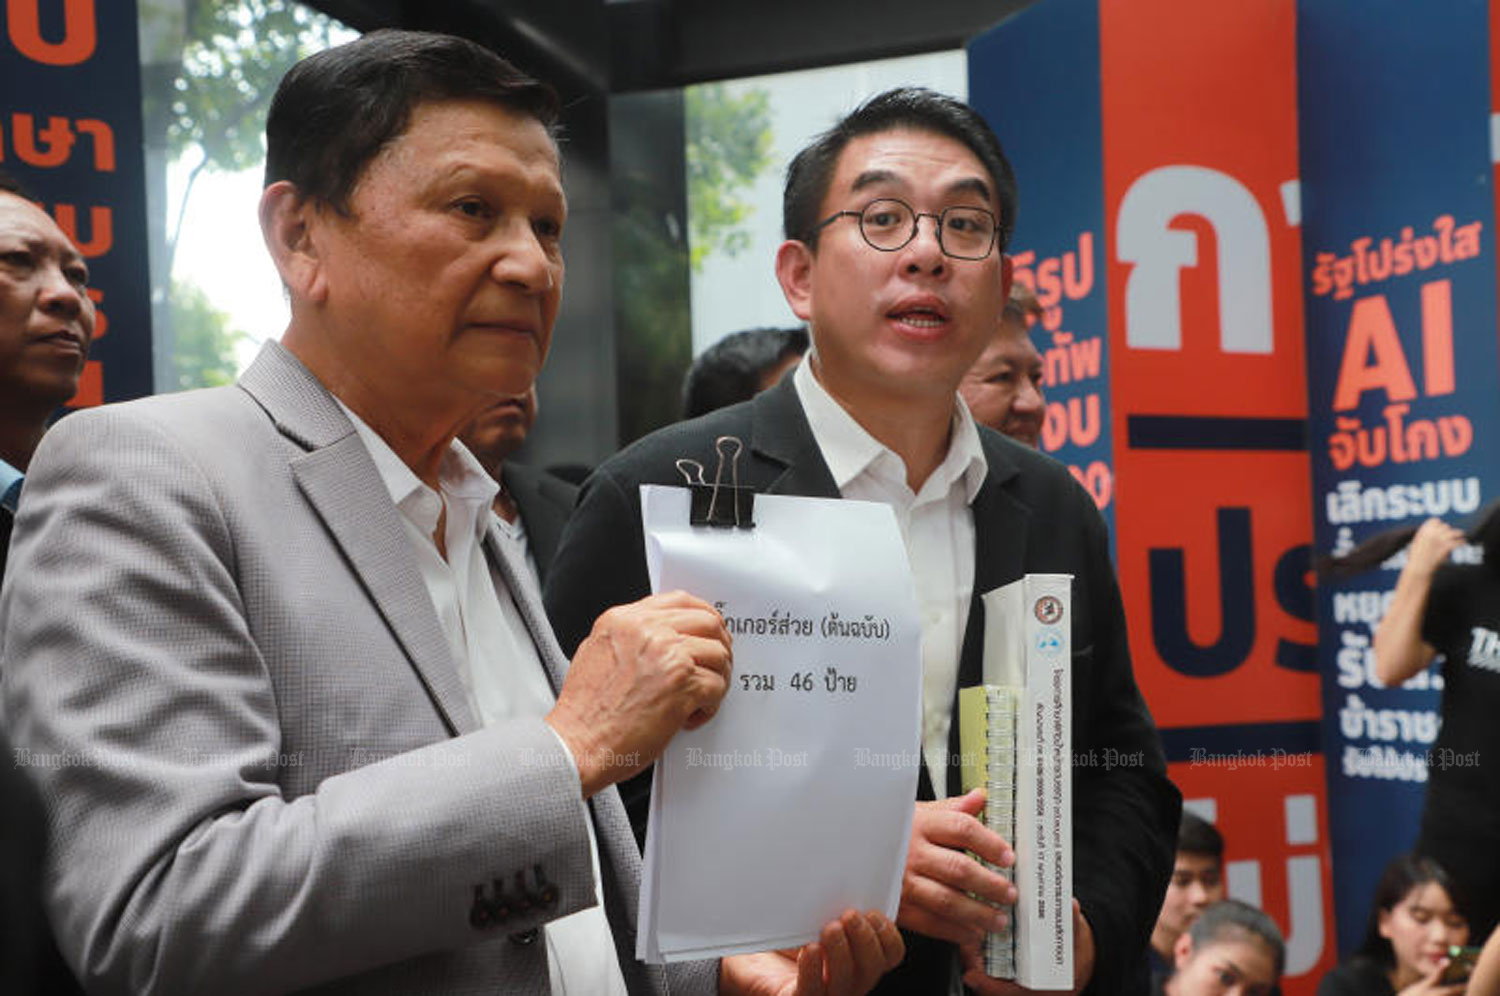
(896,222)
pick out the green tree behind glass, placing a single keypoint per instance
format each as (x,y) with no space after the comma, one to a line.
(728,146)
(205,340)
(210,68)
(727,143)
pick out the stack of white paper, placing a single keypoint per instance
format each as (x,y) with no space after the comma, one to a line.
(795,802)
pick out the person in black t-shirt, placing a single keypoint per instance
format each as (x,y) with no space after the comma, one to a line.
(1453,609)
(1440,607)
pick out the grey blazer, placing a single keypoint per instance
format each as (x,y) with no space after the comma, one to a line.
(222,668)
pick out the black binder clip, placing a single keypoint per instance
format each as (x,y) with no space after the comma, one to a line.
(728,506)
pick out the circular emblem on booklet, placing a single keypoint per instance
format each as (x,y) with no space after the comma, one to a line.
(1048,609)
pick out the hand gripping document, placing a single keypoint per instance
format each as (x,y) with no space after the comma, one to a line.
(794,802)
(1015,738)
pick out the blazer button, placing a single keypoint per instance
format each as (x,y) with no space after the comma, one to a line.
(546,894)
(480,914)
(525,938)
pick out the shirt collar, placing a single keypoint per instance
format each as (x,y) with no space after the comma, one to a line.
(10,486)
(849,450)
(461,477)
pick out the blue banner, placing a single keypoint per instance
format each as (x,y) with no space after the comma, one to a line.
(1036,80)
(1398,223)
(70,132)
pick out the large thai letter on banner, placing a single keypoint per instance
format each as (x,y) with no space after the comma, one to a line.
(795,802)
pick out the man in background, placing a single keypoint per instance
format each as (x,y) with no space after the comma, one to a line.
(1197,883)
(532,505)
(740,366)
(46,324)
(1003,388)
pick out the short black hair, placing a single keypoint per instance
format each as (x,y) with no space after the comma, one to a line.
(336,110)
(811,172)
(1229,918)
(1404,873)
(730,370)
(1195,835)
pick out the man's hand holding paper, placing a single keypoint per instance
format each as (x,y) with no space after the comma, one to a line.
(647,670)
(849,957)
(794,802)
(945,893)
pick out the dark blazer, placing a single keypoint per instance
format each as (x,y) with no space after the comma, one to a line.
(545,502)
(7,520)
(1029,516)
(24,947)
(29,960)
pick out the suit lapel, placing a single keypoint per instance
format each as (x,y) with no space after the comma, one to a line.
(1001,525)
(345,489)
(788,458)
(7,520)
(532,612)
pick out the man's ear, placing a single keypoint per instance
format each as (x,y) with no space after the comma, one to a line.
(1182,951)
(1007,277)
(794,273)
(287,223)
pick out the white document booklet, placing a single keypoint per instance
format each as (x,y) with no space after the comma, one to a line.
(1015,738)
(795,801)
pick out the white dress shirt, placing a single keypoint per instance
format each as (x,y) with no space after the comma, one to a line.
(496,659)
(937,526)
(518,547)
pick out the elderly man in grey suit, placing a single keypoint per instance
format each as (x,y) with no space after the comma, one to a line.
(297,724)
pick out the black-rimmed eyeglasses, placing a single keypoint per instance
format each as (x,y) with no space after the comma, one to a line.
(888,224)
